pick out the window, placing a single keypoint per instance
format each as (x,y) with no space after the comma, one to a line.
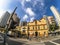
(45,26)
(41,27)
(24,28)
(33,27)
(28,28)
(38,27)
(23,31)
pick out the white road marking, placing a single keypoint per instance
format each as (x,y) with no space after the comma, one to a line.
(54,43)
(1,41)
(6,43)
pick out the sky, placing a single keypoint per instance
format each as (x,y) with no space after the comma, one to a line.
(28,10)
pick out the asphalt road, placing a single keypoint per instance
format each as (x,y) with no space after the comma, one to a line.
(57,41)
(11,42)
(54,42)
(48,43)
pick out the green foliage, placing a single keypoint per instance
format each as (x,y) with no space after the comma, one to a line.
(53,27)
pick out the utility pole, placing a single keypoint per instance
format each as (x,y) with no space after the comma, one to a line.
(8,26)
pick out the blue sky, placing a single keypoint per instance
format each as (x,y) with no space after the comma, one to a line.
(29,9)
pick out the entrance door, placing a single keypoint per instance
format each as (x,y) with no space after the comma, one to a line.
(36,34)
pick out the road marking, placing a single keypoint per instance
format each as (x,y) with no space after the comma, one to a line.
(54,43)
(1,41)
(6,43)
(35,43)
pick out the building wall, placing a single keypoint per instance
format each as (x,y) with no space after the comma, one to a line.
(15,18)
(24,29)
(39,26)
(56,14)
(14,21)
(4,19)
(23,23)
(51,20)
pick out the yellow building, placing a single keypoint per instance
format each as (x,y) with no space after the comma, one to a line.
(36,28)
(24,29)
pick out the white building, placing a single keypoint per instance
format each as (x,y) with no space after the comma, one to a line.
(56,14)
(4,19)
(51,20)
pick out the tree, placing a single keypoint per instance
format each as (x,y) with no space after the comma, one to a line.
(53,27)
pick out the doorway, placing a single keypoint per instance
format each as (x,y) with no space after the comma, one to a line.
(36,34)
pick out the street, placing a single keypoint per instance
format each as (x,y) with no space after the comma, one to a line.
(10,42)
(55,42)
(21,41)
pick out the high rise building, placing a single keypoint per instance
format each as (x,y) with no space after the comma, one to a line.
(46,18)
(51,20)
(56,14)
(4,19)
(24,23)
(14,21)
(16,18)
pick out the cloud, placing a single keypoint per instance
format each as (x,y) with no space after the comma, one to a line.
(40,1)
(28,0)
(31,19)
(4,4)
(30,12)
(22,2)
(1,12)
(25,17)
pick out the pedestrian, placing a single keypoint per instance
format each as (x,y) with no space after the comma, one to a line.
(30,36)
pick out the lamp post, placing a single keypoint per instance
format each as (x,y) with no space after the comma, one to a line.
(5,35)
(8,26)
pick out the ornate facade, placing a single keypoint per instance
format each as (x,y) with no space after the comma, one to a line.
(36,28)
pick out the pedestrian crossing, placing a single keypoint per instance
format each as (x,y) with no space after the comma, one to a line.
(50,42)
(43,43)
(55,42)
